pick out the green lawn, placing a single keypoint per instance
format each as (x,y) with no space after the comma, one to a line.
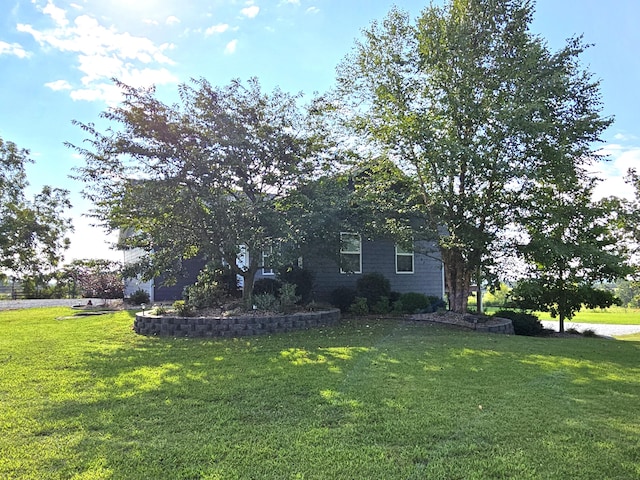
(612,315)
(86,398)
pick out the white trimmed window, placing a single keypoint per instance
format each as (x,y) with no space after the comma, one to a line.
(267,259)
(404,259)
(350,253)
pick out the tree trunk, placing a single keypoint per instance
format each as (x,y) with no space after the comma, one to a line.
(458,279)
(479,307)
(247,289)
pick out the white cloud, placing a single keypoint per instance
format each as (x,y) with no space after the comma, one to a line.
(13,49)
(57,14)
(312,10)
(58,85)
(292,2)
(220,28)
(614,170)
(624,137)
(103,53)
(149,21)
(231,47)
(250,11)
(172,20)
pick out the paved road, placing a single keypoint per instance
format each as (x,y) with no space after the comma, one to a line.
(600,329)
(53,302)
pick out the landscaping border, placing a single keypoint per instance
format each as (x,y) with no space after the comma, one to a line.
(173,326)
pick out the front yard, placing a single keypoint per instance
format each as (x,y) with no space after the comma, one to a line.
(87,398)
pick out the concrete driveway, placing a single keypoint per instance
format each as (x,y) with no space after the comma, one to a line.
(600,329)
(52,302)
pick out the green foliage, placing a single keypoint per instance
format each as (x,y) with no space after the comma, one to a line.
(496,298)
(589,333)
(139,297)
(559,298)
(211,289)
(159,310)
(32,231)
(267,285)
(217,165)
(412,302)
(523,323)
(288,298)
(372,287)
(265,302)
(342,298)
(182,308)
(301,278)
(382,306)
(452,99)
(360,306)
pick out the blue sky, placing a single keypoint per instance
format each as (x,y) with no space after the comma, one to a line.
(57,58)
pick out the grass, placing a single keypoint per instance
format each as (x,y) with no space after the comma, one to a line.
(86,398)
(612,315)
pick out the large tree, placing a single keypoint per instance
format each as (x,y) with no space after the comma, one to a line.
(202,178)
(32,231)
(476,109)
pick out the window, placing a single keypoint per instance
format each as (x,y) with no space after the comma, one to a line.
(350,253)
(404,259)
(267,257)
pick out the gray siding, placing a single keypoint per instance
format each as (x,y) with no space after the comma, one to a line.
(380,256)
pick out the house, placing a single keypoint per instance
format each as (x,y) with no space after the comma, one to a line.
(408,270)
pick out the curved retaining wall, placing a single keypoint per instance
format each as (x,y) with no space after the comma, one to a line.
(167,326)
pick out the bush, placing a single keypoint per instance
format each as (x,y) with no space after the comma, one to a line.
(301,278)
(211,289)
(359,306)
(342,298)
(523,323)
(267,285)
(412,302)
(139,297)
(265,302)
(381,306)
(182,308)
(436,303)
(373,286)
(288,297)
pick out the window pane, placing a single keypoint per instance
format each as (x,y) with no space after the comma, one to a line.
(404,263)
(406,249)
(350,242)
(350,262)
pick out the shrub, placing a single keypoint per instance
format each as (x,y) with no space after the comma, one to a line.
(412,302)
(138,297)
(436,304)
(159,310)
(359,306)
(267,285)
(589,333)
(342,298)
(265,302)
(372,286)
(182,308)
(288,297)
(301,278)
(213,286)
(381,306)
(523,323)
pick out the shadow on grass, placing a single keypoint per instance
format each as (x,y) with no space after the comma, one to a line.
(380,398)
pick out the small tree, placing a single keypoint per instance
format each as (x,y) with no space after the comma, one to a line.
(98,278)
(32,232)
(571,247)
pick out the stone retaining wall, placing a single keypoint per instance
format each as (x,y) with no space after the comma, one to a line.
(170,326)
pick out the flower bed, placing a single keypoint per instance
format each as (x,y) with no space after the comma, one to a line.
(240,326)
